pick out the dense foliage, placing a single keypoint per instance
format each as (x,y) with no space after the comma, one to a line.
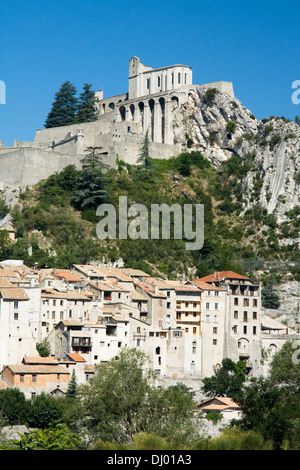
(68,109)
(121,408)
(56,221)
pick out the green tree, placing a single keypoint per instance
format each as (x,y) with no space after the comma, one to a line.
(44,348)
(64,107)
(115,397)
(226,381)
(86,111)
(45,411)
(54,438)
(72,388)
(13,406)
(144,159)
(122,400)
(264,410)
(4,209)
(285,365)
(89,191)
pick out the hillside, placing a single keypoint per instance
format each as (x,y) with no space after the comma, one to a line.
(52,232)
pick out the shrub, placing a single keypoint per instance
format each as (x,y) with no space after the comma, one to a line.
(231,126)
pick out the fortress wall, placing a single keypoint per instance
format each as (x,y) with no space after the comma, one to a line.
(60,133)
(222,87)
(28,166)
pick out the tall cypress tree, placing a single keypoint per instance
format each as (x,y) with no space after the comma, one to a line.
(64,107)
(87,111)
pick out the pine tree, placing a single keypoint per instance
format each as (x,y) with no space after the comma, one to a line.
(64,107)
(87,111)
(90,192)
(72,388)
(144,158)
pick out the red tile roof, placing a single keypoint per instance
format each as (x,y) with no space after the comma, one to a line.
(220,275)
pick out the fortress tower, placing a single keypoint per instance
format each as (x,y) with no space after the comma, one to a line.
(144,80)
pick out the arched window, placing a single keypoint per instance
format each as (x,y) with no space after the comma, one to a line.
(123,113)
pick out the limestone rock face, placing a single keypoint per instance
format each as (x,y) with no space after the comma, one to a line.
(221,127)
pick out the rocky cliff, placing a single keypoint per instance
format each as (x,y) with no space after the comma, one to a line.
(220,127)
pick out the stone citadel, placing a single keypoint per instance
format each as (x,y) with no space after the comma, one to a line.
(150,104)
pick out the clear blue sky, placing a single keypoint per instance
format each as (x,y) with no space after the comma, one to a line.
(254,44)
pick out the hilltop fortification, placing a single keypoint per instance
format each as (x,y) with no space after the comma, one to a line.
(152,102)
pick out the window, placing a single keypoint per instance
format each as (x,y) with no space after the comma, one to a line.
(16,316)
(179,78)
(158,81)
(214,342)
(177,334)
(178,315)
(33,378)
(215,330)
(246,302)
(102,344)
(194,330)
(254,315)
(254,330)
(207,306)
(148,83)
(245,330)
(54,303)
(216,306)
(61,302)
(58,376)
(16,305)
(235,314)
(254,302)
(22,377)
(245,316)
(216,293)
(236,301)
(53,314)
(207,318)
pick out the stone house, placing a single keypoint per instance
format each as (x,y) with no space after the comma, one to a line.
(34,379)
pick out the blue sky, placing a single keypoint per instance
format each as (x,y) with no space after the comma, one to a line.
(254,44)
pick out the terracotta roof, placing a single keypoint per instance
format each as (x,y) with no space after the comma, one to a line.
(40,360)
(219,403)
(206,286)
(187,288)
(3,384)
(70,295)
(150,290)
(37,369)
(13,293)
(65,274)
(219,276)
(76,357)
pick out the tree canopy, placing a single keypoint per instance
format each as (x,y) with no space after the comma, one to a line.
(64,107)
